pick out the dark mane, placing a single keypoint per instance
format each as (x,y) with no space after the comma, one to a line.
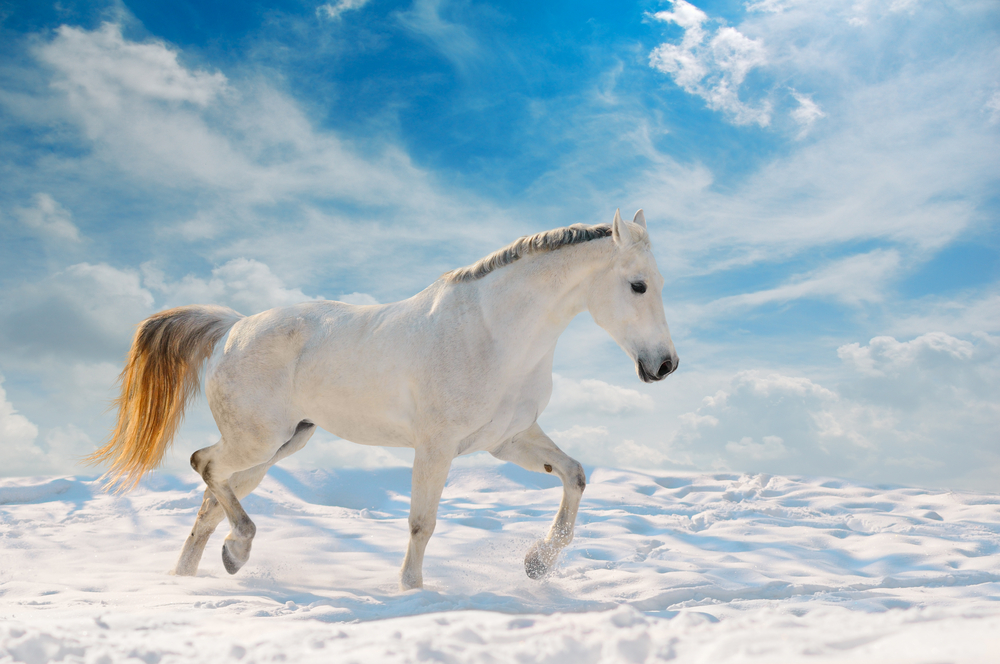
(530,244)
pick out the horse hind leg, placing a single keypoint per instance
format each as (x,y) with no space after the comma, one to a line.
(222,500)
(211,515)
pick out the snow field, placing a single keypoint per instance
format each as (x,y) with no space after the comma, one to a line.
(671,567)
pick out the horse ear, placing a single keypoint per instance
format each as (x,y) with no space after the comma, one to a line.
(620,232)
(639,218)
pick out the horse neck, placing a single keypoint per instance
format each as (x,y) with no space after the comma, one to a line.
(540,294)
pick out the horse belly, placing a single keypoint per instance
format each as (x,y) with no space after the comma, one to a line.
(364,412)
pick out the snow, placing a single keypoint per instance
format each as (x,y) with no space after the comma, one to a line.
(683,567)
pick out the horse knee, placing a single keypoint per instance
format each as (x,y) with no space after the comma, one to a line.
(422,529)
(577,477)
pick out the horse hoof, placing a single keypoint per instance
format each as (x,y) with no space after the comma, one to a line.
(231,562)
(535,568)
(404,586)
(538,562)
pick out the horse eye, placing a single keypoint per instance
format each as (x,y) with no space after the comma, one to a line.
(639,287)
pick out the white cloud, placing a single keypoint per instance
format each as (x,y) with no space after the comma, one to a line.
(67,445)
(591,443)
(770,447)
(23,452)
(263,181)
(84,311)
(102,68)
(90,311)
(783,412)
(630,454)
(333,10)
(49,219)
(885,356)
(963,315)
(806,113)
(595,444)
(592,394)
(863,12)
(17,434)
(769,6)
(246,285)
(246,144)
(901,158)
(579,433)
(713,71)
(930,371)
(919,411)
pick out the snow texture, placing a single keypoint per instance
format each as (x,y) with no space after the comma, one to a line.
(682,567)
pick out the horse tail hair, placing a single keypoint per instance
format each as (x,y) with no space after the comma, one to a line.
(162,374)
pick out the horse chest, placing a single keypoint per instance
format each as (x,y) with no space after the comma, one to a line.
(511,411)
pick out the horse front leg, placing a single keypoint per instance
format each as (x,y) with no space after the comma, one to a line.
(533,450)
(430,472)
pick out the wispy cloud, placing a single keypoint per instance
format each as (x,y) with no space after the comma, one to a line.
(245,155)
(334,10)
(453,40)
(963,314)
(145,112)
(806,113)
(852,280)
(49,219)
(992,107)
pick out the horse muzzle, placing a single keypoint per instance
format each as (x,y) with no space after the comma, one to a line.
(666,367)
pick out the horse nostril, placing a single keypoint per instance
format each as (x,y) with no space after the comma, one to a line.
(664,369)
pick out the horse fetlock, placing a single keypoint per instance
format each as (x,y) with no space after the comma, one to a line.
(245,530)
(409,580)
(186,567)
(540,558)
(560,538)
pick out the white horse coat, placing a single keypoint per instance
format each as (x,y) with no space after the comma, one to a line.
(463,366)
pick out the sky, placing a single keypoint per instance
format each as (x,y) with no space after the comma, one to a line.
(820,182)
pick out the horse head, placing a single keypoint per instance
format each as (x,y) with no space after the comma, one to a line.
(626,300)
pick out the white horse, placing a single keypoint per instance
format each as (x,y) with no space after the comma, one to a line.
(463,366)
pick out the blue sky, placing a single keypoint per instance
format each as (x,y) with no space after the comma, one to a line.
(820,181)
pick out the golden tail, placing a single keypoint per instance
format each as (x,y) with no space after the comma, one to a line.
(161,376)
